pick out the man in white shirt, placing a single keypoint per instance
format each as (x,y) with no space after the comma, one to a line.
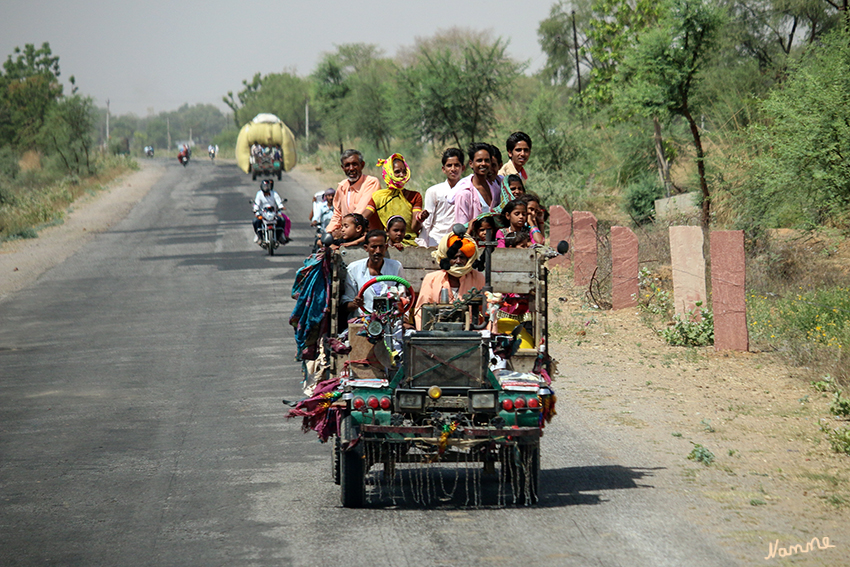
(441,211)
(323,210)
(268,197)
(361,271)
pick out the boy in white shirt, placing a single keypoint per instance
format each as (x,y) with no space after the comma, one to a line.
(436,202)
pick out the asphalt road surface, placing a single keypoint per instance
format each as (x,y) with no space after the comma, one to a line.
(141,421)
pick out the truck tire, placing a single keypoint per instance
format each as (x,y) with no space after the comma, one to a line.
(528,474)
(335,459)
(352,476)
(279,175)
(254,176)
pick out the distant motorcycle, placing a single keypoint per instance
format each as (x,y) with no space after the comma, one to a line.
(183,158)
(212,155)
(149,151)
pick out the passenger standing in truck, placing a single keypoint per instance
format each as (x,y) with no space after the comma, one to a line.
(354,192)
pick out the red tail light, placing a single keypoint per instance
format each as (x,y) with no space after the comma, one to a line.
(519,402)
(533,403)
(358,403)
(507,405)
(385,403)
(372,402)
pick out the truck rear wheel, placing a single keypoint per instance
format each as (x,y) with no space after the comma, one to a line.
(528,474)
(335,459)
(352,474)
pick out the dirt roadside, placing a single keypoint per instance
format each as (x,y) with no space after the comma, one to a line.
(22,262)
(774,475)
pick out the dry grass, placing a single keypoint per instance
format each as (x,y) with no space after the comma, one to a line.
(40,196)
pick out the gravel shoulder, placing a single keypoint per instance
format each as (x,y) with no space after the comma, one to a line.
(774,475)
(22,262)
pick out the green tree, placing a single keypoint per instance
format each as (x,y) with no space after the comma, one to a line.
(67,132)
(282,94)
(613,30)
(660,76)
(29,87)
(348,86)
(802,175)
(449,94)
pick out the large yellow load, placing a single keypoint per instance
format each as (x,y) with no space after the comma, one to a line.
(267,130)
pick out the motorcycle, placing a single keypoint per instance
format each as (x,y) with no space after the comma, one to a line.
(149,151)
(183,158)
(212,155)
(270,217)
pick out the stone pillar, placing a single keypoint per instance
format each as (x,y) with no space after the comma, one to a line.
(560,228)
(728,292)
(688,267)
(584,246)
(624,268)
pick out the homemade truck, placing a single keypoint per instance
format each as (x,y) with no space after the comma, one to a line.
(454,393)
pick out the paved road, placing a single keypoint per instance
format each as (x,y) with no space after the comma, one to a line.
(141,422)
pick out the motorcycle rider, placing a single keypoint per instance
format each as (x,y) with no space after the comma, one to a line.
(268,197)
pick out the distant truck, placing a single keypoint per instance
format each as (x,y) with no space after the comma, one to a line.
(265,147)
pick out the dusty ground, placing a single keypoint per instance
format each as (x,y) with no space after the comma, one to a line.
(23,261)
(774,476)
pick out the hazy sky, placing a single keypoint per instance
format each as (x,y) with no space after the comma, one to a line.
(154,55)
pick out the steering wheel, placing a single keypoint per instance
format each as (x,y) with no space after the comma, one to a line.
(395,279)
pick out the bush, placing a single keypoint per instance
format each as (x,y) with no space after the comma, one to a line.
(640,198)
(9,167)
(687,330)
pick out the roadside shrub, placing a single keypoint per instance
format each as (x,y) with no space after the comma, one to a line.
(701,454)
(811,327)
(9,167)
(640,198)
(688,330)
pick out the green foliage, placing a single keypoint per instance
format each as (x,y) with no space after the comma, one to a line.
(282,94)
(448,93)
(688,330)
(612,33)
(802,175)
(29,88)
(352,91)
(640,198)
(67,133)
(556,41)
(8,163)
(840,406)
(653,298)
(701,454)
(839,438)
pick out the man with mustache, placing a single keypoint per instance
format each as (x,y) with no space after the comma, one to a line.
(353,193)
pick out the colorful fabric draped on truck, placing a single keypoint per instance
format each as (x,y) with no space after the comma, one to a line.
(311,292)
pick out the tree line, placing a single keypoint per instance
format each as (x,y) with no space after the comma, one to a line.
(743,102)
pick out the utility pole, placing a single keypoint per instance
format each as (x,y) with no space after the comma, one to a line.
(168,130)
(307,120)
(575,47)
(107,124)
(190,138)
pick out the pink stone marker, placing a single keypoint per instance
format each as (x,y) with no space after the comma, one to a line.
(688,267)
(584,246)
(728,291)
(624,269)
(560,228)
